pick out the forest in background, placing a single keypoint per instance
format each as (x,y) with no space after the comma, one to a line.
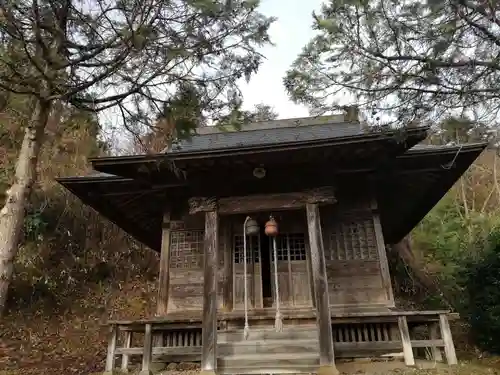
(75,269)
(403,63)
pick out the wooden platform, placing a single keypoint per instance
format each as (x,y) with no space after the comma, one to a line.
(295,350)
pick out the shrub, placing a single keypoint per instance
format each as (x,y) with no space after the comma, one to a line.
(481,305)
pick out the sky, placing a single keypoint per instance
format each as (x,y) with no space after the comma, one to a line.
(289,34)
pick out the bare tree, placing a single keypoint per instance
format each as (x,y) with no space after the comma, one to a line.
(132,55)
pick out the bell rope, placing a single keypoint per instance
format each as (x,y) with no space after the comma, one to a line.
(278,322)
(246,330)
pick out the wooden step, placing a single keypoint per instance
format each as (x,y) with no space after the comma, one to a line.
(269,363)
(299,333)
(297,347)
(267,370)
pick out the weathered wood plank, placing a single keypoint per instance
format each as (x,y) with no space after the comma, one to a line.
(255,203)
(166,350)
(249,347)
(147,351)
(342,268)
(182,320)
(435,350)
(209,330)
(110,357)
(227,276)
(164,276)
(125,357)
(449,347)
(326,351)
(384,264)
(405,338)
(190,290)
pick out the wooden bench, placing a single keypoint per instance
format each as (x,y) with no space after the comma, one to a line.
(183,338)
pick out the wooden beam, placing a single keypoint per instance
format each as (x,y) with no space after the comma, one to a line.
(209,328)
(318,265)
(264,202)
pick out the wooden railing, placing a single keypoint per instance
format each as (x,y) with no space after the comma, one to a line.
(176,342)
(360,334)
(367,334)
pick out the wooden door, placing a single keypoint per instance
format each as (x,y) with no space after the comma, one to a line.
(254,286)
(293,272)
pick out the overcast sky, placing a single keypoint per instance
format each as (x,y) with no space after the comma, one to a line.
(289,33)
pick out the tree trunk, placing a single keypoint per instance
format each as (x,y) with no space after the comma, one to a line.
(13,212)
(403,250)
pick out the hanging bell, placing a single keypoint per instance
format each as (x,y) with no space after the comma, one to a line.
(251,227)
(271,228)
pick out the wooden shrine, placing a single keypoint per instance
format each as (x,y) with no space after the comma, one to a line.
(273,243)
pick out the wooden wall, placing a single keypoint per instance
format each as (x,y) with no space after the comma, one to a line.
(355,256)
(354,252)
(186,264)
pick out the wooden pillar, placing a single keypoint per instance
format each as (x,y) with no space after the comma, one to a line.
(406,341)
(164,277)
(318,265)
(449,348)
(382,254)
(228,267)
(211,247)
(110,358)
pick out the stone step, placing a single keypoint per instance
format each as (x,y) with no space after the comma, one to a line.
(261,334)
(297,347)
(269,363)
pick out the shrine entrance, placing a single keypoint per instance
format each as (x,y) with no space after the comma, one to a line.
(293,263)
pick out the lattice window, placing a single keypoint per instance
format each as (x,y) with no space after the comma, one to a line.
(353,238)
(186,249)
(293,243)
(252,247)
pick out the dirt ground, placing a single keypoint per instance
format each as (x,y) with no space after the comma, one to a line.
(487,367)
(367,367)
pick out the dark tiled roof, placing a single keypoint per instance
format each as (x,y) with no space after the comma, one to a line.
(265,137)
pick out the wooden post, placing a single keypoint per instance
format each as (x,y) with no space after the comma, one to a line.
(209,328)
(126,357)
(434,335)
(110,357)
(405,339)
(228,267)
(384,263)
(164,277)
(147,354)
(449,348)
(318,265)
